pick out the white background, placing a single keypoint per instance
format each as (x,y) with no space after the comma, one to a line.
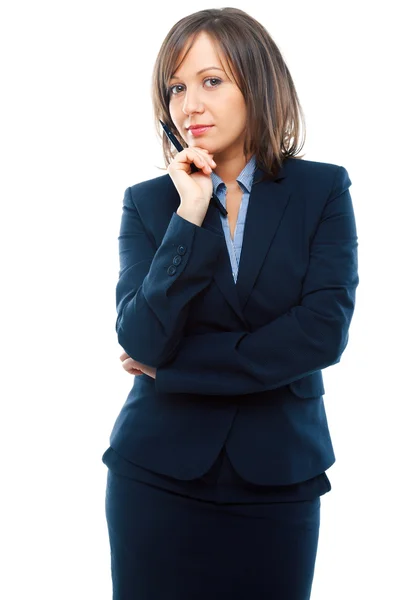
(76,131)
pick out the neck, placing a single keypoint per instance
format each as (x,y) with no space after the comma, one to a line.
(229,169)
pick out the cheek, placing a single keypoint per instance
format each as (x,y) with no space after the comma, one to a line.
(234,110)
(173,111)
(241,114)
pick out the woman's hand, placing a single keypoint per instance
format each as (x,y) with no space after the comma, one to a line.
(136,368)
(192,187)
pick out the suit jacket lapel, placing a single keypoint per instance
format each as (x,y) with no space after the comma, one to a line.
(267,204)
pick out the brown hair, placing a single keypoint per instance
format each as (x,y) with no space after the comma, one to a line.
(274,111)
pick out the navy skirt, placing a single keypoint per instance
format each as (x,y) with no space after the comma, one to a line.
(231,542)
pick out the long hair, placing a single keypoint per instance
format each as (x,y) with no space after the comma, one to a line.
(274,113)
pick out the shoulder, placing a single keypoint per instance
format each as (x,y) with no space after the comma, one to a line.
(317,175)
(150,191)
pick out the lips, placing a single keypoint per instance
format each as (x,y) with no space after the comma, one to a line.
(197,131)
(198,127)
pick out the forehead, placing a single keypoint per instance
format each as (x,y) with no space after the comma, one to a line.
(203,54)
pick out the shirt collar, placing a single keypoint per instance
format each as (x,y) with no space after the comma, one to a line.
(245,177)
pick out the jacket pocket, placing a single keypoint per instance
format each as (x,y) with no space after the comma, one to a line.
(311,386)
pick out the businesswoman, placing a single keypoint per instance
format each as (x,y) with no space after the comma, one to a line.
(236,288)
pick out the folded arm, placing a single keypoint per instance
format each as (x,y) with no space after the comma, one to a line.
(309,337)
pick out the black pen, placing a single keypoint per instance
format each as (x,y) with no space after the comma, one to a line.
(214,199)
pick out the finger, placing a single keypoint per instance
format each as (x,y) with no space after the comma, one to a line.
(208,158)
(136,372)
(202,161)
(128,364)
(205,154)
(133,371)
(196,157)
(123,356)
(202,151)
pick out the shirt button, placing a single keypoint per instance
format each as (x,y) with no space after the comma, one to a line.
(181,250)
(177,260)
(171,270)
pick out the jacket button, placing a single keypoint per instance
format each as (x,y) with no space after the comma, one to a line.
(181,250)
(171,270)
(177,260)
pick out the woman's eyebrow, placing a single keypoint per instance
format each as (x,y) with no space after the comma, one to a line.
(201,71)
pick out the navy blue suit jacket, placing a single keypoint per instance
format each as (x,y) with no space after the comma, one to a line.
(240,363)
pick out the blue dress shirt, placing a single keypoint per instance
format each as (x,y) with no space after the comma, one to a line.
(245,180)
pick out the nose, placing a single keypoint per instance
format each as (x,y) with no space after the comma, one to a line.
(191,103)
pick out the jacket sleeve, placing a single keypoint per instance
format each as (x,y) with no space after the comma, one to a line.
(309,337)
(155,285)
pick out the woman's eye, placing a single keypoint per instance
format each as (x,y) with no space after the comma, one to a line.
(208,79)
(213,79)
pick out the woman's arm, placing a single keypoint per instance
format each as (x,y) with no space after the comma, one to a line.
(309,337)
(155,286)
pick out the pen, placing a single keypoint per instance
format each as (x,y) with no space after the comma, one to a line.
(214,199)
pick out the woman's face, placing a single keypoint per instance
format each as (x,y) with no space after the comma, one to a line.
(211,98)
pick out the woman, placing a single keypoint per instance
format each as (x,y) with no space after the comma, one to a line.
(217,459)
